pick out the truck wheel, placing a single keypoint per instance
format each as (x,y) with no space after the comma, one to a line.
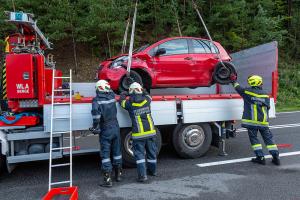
(222,74)
(192,141)
(126,81)
(127,151)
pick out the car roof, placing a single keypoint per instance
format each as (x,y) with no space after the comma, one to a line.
(181,37)
(172,38)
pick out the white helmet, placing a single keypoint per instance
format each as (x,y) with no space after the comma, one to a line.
(135,88)
(102,86)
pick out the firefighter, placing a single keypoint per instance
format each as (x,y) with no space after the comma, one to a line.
(104,113)
(255,118)
(143,130)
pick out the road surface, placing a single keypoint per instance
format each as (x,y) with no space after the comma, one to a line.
(209,177)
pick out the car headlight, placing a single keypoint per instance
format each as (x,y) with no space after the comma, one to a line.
(119,62)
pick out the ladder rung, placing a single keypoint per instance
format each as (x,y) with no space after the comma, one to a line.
(61,118)
(61,90)
(60,148)
(60,132)
(61,182)
(62,77)
(63,103)
(61,165)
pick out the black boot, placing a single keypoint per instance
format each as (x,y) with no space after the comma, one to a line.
(142,179)
(151,173)
(276,160)
(107,182)
(118,174)
(259,160)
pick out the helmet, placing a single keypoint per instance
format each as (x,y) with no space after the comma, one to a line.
(102,86)
(255,80)
(135,88)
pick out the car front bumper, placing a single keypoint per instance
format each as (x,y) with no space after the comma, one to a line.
(113,76)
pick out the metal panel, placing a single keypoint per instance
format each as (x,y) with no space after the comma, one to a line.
(85,89)
(163,112)
(195,111)
(260,60)
(32,157)
(184,91)
(29,135)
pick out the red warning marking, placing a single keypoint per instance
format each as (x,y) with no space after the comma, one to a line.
(75,148)
(284,145)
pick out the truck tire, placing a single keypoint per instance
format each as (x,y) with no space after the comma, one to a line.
(192,140)
(222,74)
(126,81)
(127,153)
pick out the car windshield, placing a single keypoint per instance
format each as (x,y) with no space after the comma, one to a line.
(140,48)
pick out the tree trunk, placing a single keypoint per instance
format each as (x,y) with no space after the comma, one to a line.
(74,52)
(108,40)
(289,2)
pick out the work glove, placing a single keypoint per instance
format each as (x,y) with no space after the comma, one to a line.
(124,93)
(233,78)
(95,131)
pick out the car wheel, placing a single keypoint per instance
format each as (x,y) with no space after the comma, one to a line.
(223,73)
(193,140)
(126,81)
(127,149)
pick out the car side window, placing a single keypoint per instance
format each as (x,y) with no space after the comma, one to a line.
(208,45)
(153,51)
(198,47)
(174,47)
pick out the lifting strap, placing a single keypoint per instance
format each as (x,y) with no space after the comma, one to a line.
(207,32)
(132,39)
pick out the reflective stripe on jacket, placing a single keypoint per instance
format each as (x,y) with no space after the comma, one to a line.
(138,107)
(256,106)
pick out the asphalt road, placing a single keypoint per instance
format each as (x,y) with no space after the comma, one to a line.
(180,178)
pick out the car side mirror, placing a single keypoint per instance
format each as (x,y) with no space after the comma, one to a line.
(160,51)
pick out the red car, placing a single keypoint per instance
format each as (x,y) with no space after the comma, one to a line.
(172,62)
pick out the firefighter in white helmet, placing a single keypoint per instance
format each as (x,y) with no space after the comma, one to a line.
(143,130)
(256,119)
(104,113)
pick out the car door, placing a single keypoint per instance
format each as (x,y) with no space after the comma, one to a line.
(205,58)
(175,67)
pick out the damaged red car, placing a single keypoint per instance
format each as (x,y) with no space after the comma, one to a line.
(172,62)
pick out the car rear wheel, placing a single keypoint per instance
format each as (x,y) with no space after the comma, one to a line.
(223,73)
(127,149)
(126,81)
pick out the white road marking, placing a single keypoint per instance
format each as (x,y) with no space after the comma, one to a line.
(244,159)
(273,127)
(288,112)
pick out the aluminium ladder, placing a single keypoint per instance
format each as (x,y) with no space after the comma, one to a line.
(55,105)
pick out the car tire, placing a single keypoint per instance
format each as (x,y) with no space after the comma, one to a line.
(192,140)
(127,153)
(126,81)
(222,74)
